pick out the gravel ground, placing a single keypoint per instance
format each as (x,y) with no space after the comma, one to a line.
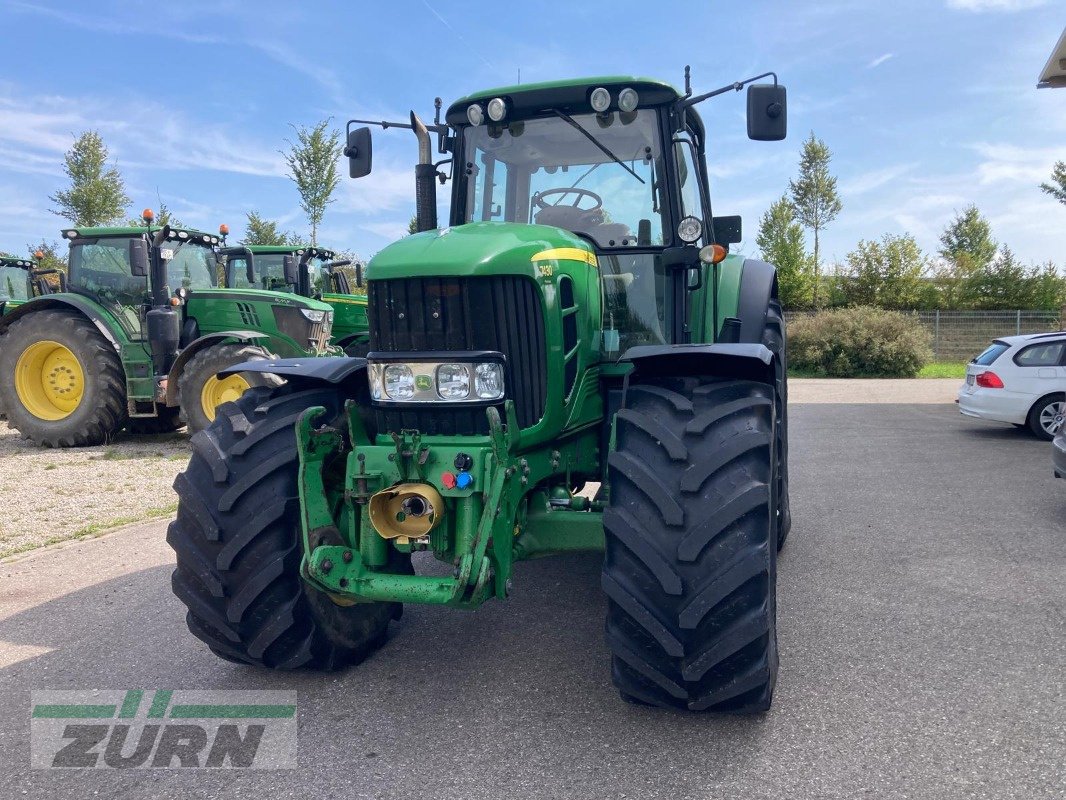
(54,495)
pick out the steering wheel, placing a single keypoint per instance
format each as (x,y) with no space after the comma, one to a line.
(538,198)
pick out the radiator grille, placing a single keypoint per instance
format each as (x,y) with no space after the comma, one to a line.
(432,315)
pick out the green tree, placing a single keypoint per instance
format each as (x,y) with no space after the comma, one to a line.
(1006,284)
(887,274)
(1057,187)
(97,193)
(412,226)
(814,195)
(312,161)
(780,240)
(967,249)
(259,230)
(51,258)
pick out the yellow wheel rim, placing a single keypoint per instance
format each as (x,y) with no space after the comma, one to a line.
(221,390)
(49,380)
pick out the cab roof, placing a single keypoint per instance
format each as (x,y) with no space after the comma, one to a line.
(103,232)
(298,249)
(569,95)
(14,261)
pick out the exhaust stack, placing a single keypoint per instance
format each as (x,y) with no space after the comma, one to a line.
(425,179)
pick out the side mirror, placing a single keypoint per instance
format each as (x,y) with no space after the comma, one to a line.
(727,230)
(767,112)
(249,271)
(359,275)
(291,268)
(360,152)
(139,258)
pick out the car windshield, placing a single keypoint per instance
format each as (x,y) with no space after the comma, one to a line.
(13,284)
(551,172)
(995,350)
(190,265)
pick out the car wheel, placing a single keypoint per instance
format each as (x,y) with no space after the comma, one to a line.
(1046,416)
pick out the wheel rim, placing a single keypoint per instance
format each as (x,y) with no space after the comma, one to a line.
(1051,416)
(217,391)
(49,380)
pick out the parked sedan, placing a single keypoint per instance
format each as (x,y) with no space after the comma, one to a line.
(1020,380)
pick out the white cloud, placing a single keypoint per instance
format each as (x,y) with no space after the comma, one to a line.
(864,182)
(980,6)
(880,60)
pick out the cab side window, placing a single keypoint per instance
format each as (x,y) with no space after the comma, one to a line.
(1041,355)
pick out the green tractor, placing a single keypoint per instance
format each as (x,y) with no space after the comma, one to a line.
(575,363)
(17,283)
(309,272)
(136,336)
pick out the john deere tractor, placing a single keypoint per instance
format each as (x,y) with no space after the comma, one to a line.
(309,272)
(137,335)
(16,282)
(574,364)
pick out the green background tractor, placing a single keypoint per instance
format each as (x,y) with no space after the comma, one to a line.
(136,336)
(579,322)
(309,272)
(16,282)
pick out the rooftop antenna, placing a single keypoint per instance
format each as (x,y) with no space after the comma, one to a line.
(519,76)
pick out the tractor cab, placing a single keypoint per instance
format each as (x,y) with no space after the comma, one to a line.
(307,271)
(16,282)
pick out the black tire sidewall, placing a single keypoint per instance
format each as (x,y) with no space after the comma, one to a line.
(205,365)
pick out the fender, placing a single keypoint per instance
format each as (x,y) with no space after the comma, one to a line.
(747,361)
(95,313)
(352,339)
(211,339)
(326,370)
(758,283)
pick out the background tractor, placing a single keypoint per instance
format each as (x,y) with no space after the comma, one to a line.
(309,272)
(579,322)
(16,282)
(137,335)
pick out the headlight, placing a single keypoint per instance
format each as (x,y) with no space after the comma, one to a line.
(313,315)
(488,381)
(453,381)
(399,382)
(628,99)
(689,230)
(600,99)
(474,115)
(465,378)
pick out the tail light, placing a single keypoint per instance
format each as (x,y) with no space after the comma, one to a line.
(989,380)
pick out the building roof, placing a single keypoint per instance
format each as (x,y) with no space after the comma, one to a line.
(1054,72)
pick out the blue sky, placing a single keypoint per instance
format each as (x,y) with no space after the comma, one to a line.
(928,105)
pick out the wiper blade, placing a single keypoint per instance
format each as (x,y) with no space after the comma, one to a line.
(571,121)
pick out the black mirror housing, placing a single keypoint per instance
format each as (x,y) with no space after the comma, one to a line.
(139,258)
(359,281)
(360,152)
(291,268)
(728,230)
(767,112)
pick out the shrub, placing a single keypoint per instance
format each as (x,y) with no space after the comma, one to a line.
(860,342)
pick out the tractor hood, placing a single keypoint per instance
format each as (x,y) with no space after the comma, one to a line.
(256,296)
(477,248)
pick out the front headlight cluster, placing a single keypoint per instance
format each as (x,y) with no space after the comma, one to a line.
(436,381)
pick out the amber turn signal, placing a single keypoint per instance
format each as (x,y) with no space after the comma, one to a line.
(713,254)
(148,215)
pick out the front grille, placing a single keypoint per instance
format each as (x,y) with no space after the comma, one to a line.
(431,315)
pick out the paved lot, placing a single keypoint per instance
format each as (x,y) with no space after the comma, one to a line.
(921,630)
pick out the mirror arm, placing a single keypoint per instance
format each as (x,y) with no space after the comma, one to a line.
(733,87)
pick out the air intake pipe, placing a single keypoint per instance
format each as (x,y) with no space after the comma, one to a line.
(425,179)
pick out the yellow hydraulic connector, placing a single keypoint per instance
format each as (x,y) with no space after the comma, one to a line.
(406,511)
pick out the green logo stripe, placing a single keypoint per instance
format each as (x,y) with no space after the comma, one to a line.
(160,701)
(233,712)
(73,712)
(131,703)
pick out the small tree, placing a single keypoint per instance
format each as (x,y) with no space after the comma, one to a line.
(259,230)
(51,258)
(412,226)
(1057,187)
(886,274)
(97,193)
(967,249)
(312,161)
(814,195)
(780,240)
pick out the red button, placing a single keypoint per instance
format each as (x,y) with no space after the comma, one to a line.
(448,480)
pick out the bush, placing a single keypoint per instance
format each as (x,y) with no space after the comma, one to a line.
(859,342)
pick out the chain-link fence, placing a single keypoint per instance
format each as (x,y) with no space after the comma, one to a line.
(961,335)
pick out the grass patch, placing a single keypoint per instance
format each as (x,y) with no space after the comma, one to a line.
(944,369)
(92,530)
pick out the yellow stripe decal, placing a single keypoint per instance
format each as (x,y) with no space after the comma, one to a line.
(566,254)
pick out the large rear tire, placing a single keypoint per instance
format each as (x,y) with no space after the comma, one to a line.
(200,389)
(237,539)
(775,339)
(690,567)
(61,381)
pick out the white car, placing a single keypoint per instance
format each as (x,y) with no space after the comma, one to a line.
(1020,380)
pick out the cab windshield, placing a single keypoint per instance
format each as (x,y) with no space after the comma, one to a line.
(13,284)
(549,171)
(190,265)
(269,273)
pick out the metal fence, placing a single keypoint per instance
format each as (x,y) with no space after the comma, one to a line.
(961,335)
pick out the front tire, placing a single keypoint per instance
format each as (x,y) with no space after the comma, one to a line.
(237,539)
(61,381)
(200,389)
(690,567)
(1043,416)
(776,341)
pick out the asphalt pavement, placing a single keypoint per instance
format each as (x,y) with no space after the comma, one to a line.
(921,630)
